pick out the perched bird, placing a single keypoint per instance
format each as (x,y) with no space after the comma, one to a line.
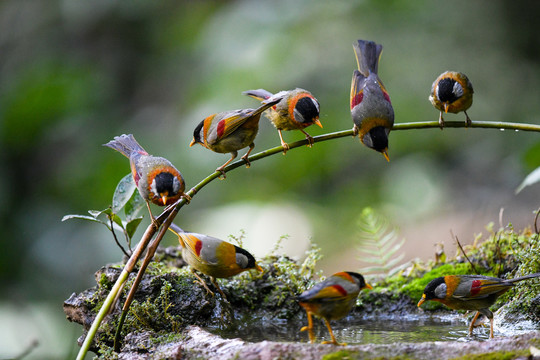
(213,257)
(297,110)
(469,292)
(331,299)
(452,92)
(230,131)
(371,109)
(156,178)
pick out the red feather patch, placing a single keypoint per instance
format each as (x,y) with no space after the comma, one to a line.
(221,127)
(386,96)
(476,287)
(357,99)
(340,289)
(198,247)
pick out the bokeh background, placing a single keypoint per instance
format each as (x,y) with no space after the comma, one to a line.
(75,73)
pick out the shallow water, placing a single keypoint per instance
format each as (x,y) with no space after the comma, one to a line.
(361,331)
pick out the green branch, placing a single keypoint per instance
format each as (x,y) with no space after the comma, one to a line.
(170,212)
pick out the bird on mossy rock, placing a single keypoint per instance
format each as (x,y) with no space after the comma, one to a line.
(213,257)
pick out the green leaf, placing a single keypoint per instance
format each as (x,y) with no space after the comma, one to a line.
(132,226)
(117,220)
(123,192)
(133,206)
(529,180)
(81,217)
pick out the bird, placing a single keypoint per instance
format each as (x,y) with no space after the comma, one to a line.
(371,109)
(213,257)
(230,131)
(470,292)
(297,110)
(331,299)
(452,92)
(156,178)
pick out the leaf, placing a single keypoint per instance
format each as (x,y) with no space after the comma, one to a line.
(133,206)
(529,180)
(132,226)
(123,192)
(117,220)
(81,217)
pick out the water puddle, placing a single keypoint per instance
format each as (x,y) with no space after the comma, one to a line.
(355,331)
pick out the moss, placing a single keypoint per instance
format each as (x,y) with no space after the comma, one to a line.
(498,355)
(340,355)
(354,355)
(168,299)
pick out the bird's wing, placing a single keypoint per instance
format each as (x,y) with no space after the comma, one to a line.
(481,288)
(357,88)
(224,125)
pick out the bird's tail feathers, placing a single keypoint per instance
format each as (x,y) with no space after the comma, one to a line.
(259,94)
(367,56)
(176,229)
(266,104)
(126,145)
(530,276)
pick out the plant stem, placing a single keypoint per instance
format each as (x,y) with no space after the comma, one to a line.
(169,213)
(128,268)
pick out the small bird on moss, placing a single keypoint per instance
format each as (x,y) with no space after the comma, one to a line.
(452,92)
(331,299)
(213,257)
(371,109)
(230,131)
(156,178)
(470,292)
(297,110)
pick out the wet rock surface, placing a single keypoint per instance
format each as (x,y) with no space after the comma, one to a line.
(168,318)
(199,344)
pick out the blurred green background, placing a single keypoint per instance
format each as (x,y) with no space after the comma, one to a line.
(73,74)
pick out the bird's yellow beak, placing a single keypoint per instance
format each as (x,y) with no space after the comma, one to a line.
(193,142)
(446,107)
(368,286)
(164,199)
(422,300)
(258,268)
(385,154)
(318,123)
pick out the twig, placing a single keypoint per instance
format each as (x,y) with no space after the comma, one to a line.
(463,251)
(109,300)
(150,231)
(116,239)
(151,250)
(536,221)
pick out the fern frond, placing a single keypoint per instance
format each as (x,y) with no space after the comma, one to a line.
(379,244)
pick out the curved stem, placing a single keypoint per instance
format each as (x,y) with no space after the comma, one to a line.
(169,215)
(344,133)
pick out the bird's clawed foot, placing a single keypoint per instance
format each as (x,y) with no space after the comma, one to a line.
(187,197)
(441,121)
(468,121)
(285,147)
(222,176)
(245,158)
(355,130)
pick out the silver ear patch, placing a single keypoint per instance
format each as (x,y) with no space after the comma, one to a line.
(440,291)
